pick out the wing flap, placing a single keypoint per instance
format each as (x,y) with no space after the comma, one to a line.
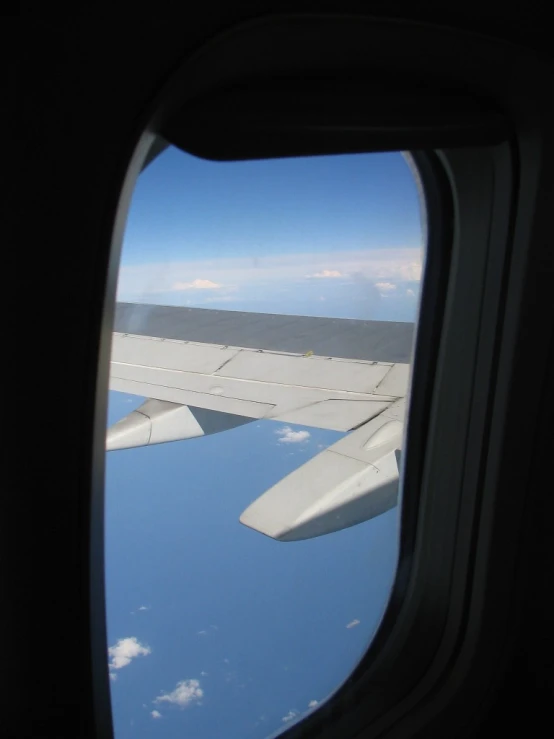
(182,396)
(307,371)
(338,415)
(318,391)
(169,355)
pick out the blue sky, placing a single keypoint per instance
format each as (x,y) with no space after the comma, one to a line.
(215,630)
(323,236)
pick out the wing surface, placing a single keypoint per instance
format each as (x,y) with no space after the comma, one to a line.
(205,371)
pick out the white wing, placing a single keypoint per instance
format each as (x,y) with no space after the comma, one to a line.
(195,387)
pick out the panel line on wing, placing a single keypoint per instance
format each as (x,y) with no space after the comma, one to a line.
(360,395)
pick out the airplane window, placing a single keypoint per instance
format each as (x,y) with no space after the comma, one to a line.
(260,367)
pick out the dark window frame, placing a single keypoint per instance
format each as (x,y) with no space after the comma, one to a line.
(488,224)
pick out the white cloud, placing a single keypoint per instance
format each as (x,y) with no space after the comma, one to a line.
(411,272)
(290,716)
(144,608)
(325,273)
(138,282)
(126,650)
(353,623)
(201,633)
(155,714)
(288,436)
(185,693)
(113,676)
(313,704)
(196,285)
(385,287)
(204,673)
(410,292)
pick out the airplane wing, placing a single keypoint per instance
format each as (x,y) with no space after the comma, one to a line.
(205,371)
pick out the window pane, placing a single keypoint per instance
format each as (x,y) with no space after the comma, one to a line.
(265,315)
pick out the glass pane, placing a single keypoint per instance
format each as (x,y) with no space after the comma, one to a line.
(290,290)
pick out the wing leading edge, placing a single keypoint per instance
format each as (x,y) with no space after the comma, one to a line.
(196,388)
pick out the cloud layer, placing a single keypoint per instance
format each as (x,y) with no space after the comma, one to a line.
(197,284)
(326,273)
(385,287)
(241,273)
